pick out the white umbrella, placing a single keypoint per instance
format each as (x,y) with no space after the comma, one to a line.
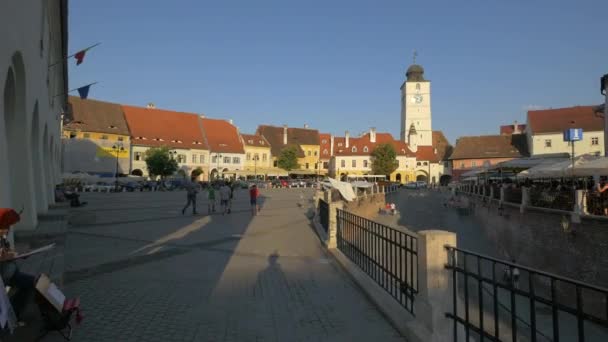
(556,170)
(595,167)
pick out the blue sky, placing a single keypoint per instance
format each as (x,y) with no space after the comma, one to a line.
(338,65)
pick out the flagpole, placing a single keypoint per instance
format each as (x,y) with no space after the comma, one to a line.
(69,91)
(74,54)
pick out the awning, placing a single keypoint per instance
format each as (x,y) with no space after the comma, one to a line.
(557,170)
(303,172)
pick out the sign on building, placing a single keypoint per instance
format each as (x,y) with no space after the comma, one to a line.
(573,134)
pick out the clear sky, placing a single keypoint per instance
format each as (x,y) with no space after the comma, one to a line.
(338,65)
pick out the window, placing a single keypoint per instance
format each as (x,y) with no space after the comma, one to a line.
(73,135)
(365,149)
(418,163)
(316,153)
(256,156)
(473,163)
(354,163)
(236,160)
(202,159)
(120,139)
(340,144)
(425,163)
(248,156)
(595,141)
(264,157)
(138,156)
(354,149)
(326,165)
(548,143)
(462,165)
(325,151)
(324,141)
(226,160)
(275,163)
(181,158)
(86,135)
(365,163)
(214,159)
(343,163)
(309,153)
(261,142)
(250,142)
(307,166)
(417,86)
(194,159)
(104,137)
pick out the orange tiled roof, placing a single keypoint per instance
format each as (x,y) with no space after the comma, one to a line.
(158,127)
(254,140)
(96,116)
(222,136)
(325,145)
(357,145)
(490,146)
(559,119)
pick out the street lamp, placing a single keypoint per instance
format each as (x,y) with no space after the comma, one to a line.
(256,157)
(217,157)
(117,148)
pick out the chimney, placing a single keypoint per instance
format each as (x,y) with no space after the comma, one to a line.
(372,135)
(284,134)
(202,116)
(346,138)
(331,145)
(150,105)
(230,121)
(515,128)
(306,126)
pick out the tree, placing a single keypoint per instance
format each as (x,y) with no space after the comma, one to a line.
(159,162)
(384,160)
(288,159)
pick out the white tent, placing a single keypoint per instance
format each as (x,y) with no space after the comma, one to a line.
(556,170)
(597,167)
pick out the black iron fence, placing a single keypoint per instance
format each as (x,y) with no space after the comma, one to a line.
(496,300)
(552,198)
(389,256)
(513,195)
(596,204)
(324,214)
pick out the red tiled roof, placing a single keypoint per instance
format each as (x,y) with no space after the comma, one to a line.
(96,116)
(254,140)
(560,119)
(509,129)
(325,145)
(158,127)
(360,143)
(490,146)
(444,149)
(222,136)
(295,137)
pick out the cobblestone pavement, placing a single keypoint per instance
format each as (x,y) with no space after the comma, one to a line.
(144,272)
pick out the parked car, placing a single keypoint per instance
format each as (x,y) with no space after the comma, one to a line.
(132,186)
(421,184)
(411,185)
(105,187)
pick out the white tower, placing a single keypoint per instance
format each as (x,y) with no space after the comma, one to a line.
(416,127)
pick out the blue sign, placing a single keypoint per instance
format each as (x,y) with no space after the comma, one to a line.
(573,134)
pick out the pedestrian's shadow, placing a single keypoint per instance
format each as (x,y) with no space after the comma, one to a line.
(265,277)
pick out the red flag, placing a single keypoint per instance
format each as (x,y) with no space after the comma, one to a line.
(80,56)
(8,217)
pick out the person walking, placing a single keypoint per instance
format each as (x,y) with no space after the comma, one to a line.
(211,198)
(254,193)
(191,191)
(225,198)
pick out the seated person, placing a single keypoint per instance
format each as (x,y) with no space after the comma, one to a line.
(24,283)
(73,197)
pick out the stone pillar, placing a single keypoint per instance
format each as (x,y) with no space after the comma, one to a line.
(332,230)
(580,206)
(525,198)
(434,297)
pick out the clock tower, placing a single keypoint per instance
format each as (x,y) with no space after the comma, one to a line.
(416,127)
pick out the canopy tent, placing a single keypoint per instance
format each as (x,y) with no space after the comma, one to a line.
(362,184)
(472,173)
(529,162)
(556,170)
(597,167)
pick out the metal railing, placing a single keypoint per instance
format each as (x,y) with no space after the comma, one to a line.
(496,300)
(324,214)
(389,256)
(513,195)
(552,199)
(496,192)
(596,205)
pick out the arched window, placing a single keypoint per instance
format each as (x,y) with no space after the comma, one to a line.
(354,149)
(325,151)
(417,86)
(365,149)
(418,163)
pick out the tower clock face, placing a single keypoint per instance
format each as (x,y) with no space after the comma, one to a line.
(417,99)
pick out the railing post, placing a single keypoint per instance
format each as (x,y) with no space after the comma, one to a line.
(580,202)
(525,198)
(332,230)
(491,192)
(502,194)
(434,297)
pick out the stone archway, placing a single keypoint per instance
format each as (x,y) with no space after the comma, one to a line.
(422,176)
(398,178)
(137,172)
(38,170)
(21,190)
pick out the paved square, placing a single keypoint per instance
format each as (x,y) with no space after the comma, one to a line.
(147,273)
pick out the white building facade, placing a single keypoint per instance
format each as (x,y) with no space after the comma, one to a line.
(33,80)
(187,160)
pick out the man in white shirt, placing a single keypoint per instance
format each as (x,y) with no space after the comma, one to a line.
(225,198)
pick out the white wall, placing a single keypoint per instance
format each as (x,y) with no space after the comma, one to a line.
(188,166)
(558,145)
(417,113)
(29,111)
(230,166)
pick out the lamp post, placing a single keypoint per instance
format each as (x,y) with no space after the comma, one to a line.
(217,159)
(255,165)
(117,148)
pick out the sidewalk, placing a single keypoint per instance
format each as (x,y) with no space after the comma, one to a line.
(151,274)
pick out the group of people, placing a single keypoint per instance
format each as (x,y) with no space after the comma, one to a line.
(226,192)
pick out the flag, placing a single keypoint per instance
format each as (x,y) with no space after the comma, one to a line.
(80,56)
(84,91)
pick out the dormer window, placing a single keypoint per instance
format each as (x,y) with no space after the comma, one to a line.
(365,149)
(223,145)
(402,150)
(340,144)
(250,141)
(112,127)
(354,149)
(261,142)
(324,141)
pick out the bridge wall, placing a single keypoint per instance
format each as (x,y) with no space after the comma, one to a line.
(366,206)
(548,239)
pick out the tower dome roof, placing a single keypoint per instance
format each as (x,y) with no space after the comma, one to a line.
(415,73)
